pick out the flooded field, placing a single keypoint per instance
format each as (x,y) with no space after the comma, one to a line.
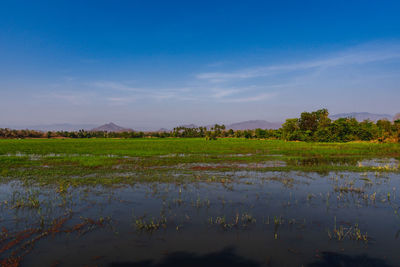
(261,207)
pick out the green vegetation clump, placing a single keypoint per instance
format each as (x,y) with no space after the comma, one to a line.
(318,127)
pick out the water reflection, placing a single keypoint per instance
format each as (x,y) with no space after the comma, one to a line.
(226,257)
(332,259)
(249,218)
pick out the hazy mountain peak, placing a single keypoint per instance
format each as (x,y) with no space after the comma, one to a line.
(163,130)
(254,124)
(189,125)
(361,116)
(111,127)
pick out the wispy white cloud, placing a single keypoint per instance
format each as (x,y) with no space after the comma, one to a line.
(223,92)
(246,85)
(67,97)
(251,98)
(70,78)
(118,101)
(122,94)
(115,86)
(125,94)
(355,56)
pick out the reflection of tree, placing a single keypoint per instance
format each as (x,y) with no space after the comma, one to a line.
(226,257)
(332,259)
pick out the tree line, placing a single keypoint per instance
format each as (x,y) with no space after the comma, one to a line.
(318,127)
(11,133)
(309,127)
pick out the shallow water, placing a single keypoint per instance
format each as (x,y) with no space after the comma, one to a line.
(251,218)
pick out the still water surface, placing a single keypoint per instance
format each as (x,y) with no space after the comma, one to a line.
(252,219)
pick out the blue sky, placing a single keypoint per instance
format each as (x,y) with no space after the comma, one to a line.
(152,64)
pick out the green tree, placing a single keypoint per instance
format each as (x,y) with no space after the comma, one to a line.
(291,130)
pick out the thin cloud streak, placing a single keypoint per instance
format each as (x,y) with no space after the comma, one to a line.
(259,97)
(314,75)
(352,57)
(115,86)
(221,93)
(74,98)
(198,93)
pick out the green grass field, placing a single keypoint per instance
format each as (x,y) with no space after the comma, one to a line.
(151,147)
(115,161)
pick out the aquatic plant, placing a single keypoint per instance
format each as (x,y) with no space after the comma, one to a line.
(342,232)
(150,225)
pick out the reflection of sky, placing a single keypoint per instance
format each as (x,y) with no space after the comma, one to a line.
(151,66)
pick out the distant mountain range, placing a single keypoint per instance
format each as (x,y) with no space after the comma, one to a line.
(189,125)
(163,130)
(254,124)
(111,127)
(54,127)
(244,125)
(361,116)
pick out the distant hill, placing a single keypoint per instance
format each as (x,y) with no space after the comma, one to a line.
(163,130)
(361,116)
(111,127)
(189,125)
(55,127)
(396,117)
(244,125)
(254,124)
